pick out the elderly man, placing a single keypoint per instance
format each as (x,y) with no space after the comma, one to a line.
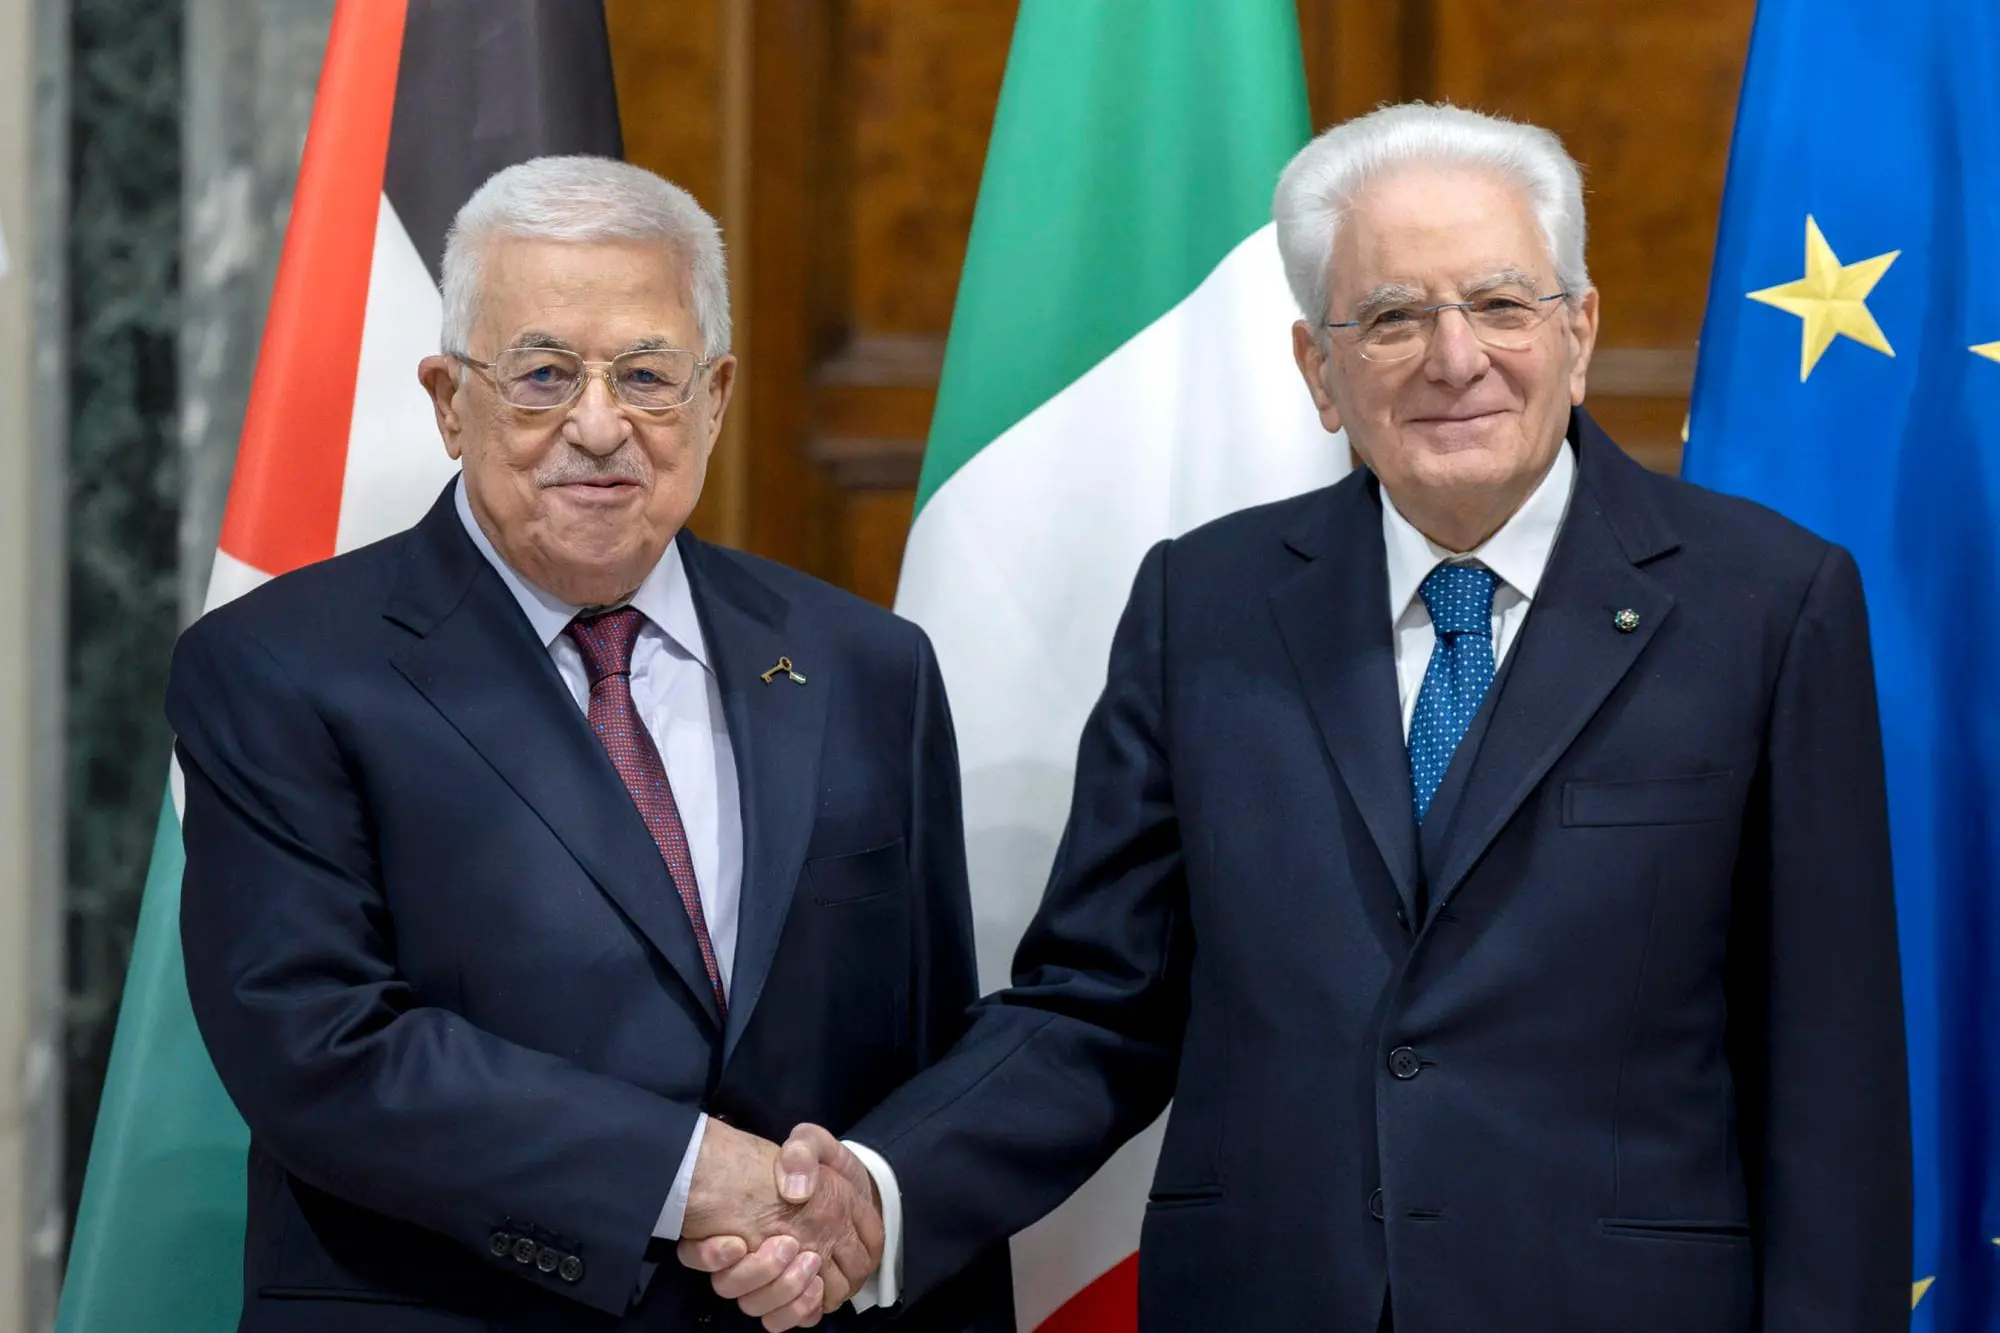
(527,847)
(1488,855)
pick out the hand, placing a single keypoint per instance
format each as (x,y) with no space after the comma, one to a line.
(785,1241)
(771,1282)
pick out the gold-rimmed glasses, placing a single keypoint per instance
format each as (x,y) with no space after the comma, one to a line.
(543,379)
(1505,320)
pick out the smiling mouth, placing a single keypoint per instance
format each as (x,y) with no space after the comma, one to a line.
(605,491)
(1456,418)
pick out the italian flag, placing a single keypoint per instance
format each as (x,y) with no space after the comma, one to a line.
(418,102)
(1119,371)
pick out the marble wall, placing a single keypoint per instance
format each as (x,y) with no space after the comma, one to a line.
(124,498)
(33,158)
(187,124)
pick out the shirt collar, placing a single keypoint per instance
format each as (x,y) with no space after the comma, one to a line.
(1517,554)
(664,598)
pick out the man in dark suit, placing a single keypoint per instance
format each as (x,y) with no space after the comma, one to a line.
(1487,855)
(530,846)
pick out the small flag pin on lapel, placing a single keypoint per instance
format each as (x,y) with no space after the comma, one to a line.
(1626,621)
(786,669)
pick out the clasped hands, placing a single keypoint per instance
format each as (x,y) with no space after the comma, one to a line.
(784,1239)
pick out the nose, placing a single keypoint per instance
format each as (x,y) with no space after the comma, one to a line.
(595,424)
(1455,355)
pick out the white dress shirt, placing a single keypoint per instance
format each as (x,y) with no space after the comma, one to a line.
(675,691)
(1518,554)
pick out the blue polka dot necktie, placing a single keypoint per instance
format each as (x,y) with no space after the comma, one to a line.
(1460,600)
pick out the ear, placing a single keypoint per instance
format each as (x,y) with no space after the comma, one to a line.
(1312,355)
(440,376)
(721,384)
(1583,329)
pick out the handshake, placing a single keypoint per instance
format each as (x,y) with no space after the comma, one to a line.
(789,1233)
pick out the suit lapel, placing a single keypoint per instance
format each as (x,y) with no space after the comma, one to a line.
(1571,652)
(775,730)
(1334,616)
(479,663)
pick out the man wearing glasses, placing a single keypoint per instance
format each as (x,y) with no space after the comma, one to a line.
(1487,856)
(543,856)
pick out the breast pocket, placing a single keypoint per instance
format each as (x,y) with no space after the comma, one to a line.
(859,876)
(1698,798)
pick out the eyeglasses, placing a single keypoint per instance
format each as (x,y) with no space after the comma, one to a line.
(1505,320)
(542,379)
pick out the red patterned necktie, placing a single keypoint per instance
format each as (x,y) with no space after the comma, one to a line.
(606,643)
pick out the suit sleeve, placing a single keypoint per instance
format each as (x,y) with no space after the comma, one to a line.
(1081,1052)
(947,964)
(343,1077)
(1816,993)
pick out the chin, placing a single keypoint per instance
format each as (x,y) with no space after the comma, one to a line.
(1462,469)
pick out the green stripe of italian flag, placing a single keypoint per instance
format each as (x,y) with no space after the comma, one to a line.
(1119,371)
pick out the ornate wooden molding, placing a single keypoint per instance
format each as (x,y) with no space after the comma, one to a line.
(1642,372)
(869,464)
(884,361)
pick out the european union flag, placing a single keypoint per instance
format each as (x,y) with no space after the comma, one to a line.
(1850,377)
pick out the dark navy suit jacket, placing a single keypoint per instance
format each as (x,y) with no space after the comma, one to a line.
(444,974)
(1616,1046)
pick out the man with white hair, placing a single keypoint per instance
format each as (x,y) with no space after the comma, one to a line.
(541,857)
(1487,855)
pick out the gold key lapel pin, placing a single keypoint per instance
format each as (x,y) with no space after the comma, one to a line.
(784,668)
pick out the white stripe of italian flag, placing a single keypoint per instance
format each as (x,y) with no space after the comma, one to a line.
(1119,370)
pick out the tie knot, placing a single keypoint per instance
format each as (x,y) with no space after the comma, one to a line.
(1460,599)
(606,642)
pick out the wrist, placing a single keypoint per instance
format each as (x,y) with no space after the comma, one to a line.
(732,1173)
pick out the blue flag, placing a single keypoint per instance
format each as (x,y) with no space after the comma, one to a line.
(1850,378)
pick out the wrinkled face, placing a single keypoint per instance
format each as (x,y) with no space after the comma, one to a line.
(1461,424)
(581,502)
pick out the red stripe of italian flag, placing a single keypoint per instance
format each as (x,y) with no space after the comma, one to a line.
(1119,370)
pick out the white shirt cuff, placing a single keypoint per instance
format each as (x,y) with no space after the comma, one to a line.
(886,1286)
(675,1212)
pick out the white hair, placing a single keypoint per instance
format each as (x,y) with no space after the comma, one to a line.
(585,199)
(1320,184)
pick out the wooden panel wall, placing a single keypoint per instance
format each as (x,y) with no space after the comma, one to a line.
(840,143)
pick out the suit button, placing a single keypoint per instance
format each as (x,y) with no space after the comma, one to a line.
(570,1269)
(524,1251)
(546,1259)
(1405,1063)
(500,1244)
(1402,918)
(1375,1205)
(704,1319)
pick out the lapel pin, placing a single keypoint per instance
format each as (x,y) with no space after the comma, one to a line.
(786,669)
(1626,621)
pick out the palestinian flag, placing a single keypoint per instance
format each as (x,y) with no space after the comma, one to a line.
(418,103)
(1119,370)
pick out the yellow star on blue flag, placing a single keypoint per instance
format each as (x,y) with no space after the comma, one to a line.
(1831,299)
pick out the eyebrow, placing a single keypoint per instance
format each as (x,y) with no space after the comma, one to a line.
(1506,277)
(1386,297)
(536,340)
(1392,294)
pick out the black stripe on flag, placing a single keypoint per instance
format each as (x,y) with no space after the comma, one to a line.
(484,84)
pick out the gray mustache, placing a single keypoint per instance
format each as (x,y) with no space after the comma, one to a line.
(583,468)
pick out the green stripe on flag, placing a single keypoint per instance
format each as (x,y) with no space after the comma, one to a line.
(159,1234)
(1134,146)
